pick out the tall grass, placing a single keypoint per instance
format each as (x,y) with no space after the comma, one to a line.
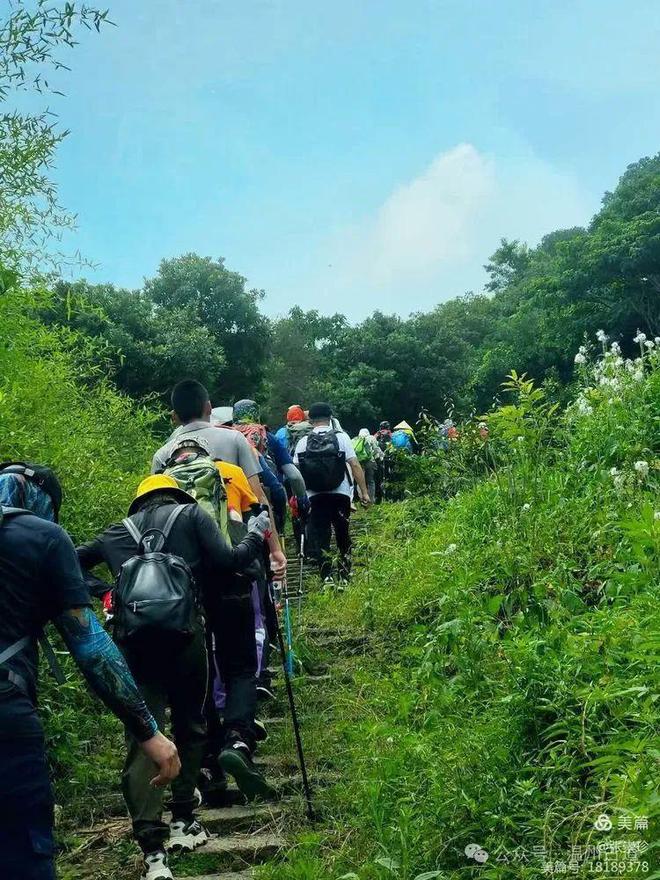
(510,693)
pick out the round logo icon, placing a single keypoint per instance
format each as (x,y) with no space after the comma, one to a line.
(603,823)
(471,849)
(481,856)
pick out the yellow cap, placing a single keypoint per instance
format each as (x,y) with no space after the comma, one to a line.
(160,483)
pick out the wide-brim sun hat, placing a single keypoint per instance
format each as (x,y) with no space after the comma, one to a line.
(159,483)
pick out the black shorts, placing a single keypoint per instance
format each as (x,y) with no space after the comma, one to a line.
(27,848)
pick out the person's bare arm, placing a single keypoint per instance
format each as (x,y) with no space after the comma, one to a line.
(277,557)
(358,476)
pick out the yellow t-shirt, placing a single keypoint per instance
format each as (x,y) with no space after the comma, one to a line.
(240,496)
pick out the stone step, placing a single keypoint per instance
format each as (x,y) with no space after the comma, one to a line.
(251,848)
(232,875)
(278,762)
(342,644)
(225,819)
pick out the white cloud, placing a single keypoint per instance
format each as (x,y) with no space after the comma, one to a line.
(430,221)
(430,237)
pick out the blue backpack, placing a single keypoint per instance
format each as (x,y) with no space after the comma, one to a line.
(401,440)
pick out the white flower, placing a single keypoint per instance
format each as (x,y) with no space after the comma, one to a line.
(451,548)
(618,361)
(641,337)
(615,348)
(526,507)
(638,375)
(614,472)
(582,349)
(583,406)
(520,439)
(580,358)
(619,482)
(642,468)
(601,336)
(648,344)
(656,515)
(657,340)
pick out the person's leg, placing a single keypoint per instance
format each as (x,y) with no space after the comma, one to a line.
(143,800)
(319,533)
(370,475)
(232,620)
(237,658)
(27,847)
(341,516)
(187,689)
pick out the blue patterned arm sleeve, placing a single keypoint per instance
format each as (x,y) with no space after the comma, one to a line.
(100,661)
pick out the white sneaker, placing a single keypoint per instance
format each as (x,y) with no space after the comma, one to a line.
(197,797)
(187,836)
(155,867)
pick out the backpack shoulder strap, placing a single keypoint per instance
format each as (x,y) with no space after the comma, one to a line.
(171,519)
(132,529)
(16,648)
(51,657)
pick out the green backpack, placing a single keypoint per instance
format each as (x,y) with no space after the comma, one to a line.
(295,432)
(362,449)
(198,475)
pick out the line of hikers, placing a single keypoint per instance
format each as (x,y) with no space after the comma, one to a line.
(191,611)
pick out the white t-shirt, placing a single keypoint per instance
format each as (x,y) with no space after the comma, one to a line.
(345,446)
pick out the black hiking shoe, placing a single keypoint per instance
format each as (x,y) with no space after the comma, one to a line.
(264,694)
(236,760)
(260,732)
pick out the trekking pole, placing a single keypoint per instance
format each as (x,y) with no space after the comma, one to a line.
(296,727)
(288,628)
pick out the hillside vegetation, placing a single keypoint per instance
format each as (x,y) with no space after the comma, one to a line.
(508,696)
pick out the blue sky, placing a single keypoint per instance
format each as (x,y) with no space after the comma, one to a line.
(353,155)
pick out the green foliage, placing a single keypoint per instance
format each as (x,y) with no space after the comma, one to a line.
(217,297)
(32,36)
(509,694)
(146,348)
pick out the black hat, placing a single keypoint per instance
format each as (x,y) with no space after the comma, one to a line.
(40,475)
(320,411)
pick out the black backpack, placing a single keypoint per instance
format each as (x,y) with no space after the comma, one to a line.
(155,591)
(323,464)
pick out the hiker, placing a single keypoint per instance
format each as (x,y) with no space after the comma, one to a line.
(41,581)
(192,463)
(247,420)
(368,453)
(169,554)
(296,427)
(403,438)
(383,438)
(330,467)
(191,410)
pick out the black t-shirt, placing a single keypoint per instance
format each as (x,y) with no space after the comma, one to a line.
(40,578)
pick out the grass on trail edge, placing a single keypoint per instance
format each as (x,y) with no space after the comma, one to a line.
(507,695)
